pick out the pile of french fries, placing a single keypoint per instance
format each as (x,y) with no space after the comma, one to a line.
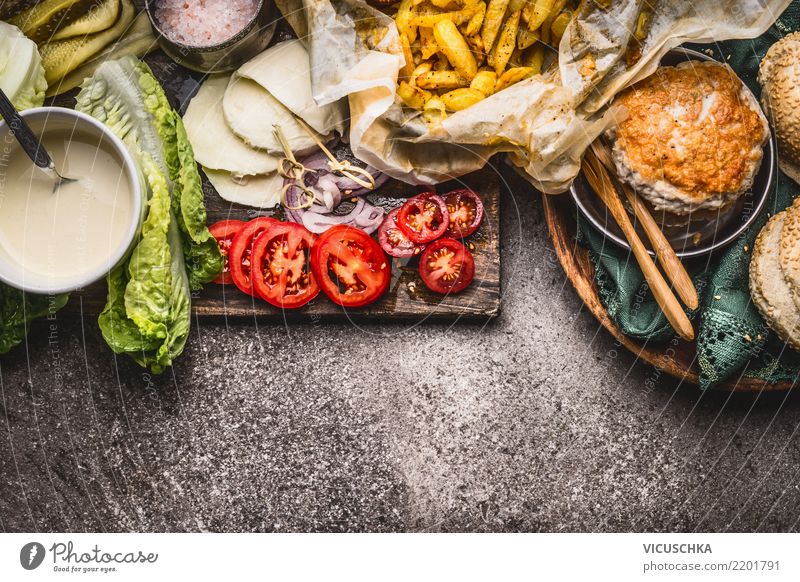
(459,52)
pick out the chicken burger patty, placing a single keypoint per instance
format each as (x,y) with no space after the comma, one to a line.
(693,138)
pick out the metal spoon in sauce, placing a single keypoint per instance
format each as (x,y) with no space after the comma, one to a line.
(30,143)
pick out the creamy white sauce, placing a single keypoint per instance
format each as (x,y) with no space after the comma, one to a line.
(71,232)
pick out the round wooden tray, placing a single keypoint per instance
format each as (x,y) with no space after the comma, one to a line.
(677,360)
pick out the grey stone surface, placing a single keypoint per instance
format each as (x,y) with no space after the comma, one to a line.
(534,422)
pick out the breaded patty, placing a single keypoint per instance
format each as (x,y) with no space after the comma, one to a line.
(693,138)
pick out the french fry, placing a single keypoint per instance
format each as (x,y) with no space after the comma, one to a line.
(427,43)
(533,58)
(403,20)
(476,44)
(441,80)
(456,17)
(642,25)
(527,10)
(408,68)
(495,12)
(511,76)
(506,42)
(484,82)
(434,110)
(526,38)
(539,13)
(443,4)
(474,24)
(441,63)
(459,99)
(558,6)
(412,96)
(559,25)
(455,48)
(515,5)
(421,69)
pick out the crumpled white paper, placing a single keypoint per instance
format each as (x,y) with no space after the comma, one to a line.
(545,122)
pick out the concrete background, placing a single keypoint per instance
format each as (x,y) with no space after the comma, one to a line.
(533,422)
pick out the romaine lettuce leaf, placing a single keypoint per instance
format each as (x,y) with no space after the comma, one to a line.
(148,312)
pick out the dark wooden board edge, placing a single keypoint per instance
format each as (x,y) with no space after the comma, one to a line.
(559,215)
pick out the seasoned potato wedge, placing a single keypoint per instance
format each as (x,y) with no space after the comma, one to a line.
(539,12)
(484,82)
(533,58)
(427,43)
(558,5)
(434,110)
(513,75)
(526,38)
(441,80)
(403,20)
(559,25)
(412,96)
(408,67)
(455,48)
(506,42)
(475,23)
(459,99)
(495,12)
(456,17)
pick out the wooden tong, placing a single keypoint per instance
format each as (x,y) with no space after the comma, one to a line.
(601,183)
(672,265)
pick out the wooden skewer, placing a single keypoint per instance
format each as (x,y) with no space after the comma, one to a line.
(672,265)
(600,182)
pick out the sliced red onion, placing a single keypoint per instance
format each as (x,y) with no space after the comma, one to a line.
(329,189)
(364,216)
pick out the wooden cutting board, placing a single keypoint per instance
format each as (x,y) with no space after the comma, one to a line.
(407,298)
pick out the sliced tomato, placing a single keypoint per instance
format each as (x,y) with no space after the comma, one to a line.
(281,265)
(465,210)
(392,239)
(349,266)
(446,266)
(224,231)
(241,250)
(423,218)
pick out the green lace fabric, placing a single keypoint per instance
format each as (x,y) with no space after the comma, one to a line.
(733,340)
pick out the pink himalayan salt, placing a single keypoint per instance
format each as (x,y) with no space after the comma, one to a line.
(204,22)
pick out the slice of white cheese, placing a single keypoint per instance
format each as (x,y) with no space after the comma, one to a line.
(215,145)
(251,113)
(285,71)
(261,191)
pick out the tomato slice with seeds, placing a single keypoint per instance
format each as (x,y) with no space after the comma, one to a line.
(393,241)
(281,265)
(349,266)
(224,231)
(446,266)
(241,251)
(465,210)
(423,218)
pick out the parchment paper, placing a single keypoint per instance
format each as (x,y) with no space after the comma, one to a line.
(545,122)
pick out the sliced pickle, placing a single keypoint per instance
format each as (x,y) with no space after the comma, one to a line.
(137,41)
(61,57)
(42,20)
(100,18)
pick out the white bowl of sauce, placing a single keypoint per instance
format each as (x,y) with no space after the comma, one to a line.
(63,241)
